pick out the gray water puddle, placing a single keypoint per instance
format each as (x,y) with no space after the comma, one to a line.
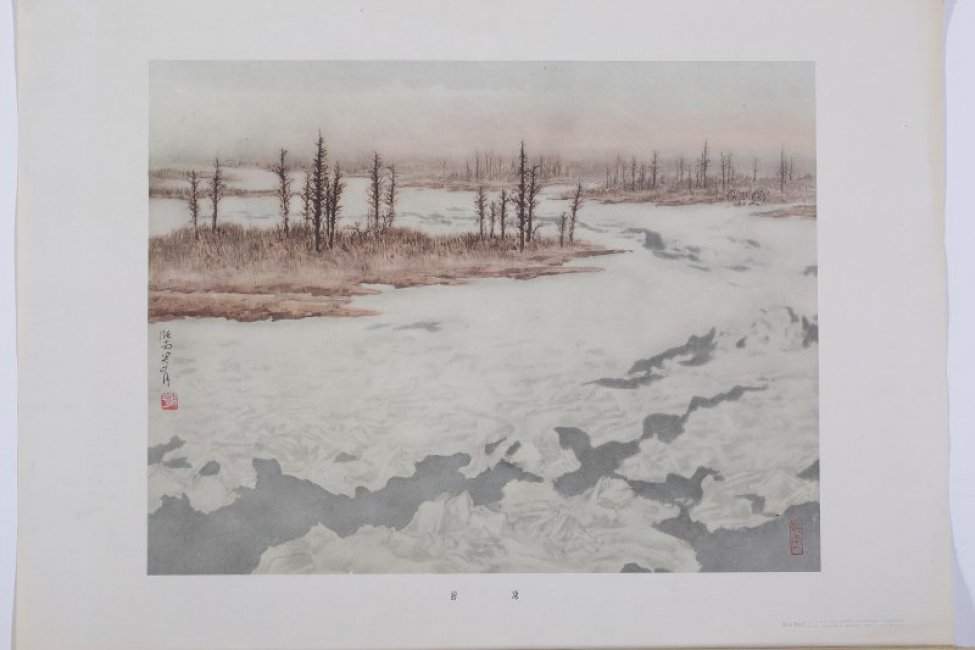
(697,351)
(279,508)
(212,468)
(811,473)
(427,325)
(157,452)
(595,462)
(666,427)
(675,489)
(604,460)
(786,543)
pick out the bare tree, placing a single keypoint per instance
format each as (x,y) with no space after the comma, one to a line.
(783,171)
(319,190)
(375,190)
(503,211)
(534,186)
(574,211)
(390,215)
(562,224)
(643,175)
(193,201)
(521,197)
(633,173)
(494,216)
(727,171)
(480,206)
(654,170)
(306,196)
(283,191)
(754,170)
(792,167)
(333,202)
(218,188)
(703,164)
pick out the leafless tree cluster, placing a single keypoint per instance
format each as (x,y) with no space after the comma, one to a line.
(382,195)
(727,171)
(636,175)
(786,170)
(325,196)
(694,175)
(491,214)
(526,199)
(320,195)
(703,162)
(489,166)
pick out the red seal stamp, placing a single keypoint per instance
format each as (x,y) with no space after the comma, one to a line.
(795,537)
(169,401)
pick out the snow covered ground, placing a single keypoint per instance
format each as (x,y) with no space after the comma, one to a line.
(541,425)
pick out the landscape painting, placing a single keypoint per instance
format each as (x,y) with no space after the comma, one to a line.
(467,317)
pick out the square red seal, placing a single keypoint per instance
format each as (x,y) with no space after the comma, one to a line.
(169,401)
(795,537)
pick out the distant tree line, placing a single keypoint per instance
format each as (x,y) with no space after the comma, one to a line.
(708,171)
(489,166)
(694,174)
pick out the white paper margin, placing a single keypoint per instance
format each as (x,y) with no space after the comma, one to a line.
(83,408)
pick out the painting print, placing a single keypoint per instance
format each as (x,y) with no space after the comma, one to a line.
(461,317)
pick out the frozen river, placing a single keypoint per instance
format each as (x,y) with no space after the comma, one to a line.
(661,414)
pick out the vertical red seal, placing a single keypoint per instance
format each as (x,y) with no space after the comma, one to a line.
(795,537)
(169,401)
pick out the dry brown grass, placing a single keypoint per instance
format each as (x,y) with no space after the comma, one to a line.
(169,192)
(791,211)
(251,273)
(170,305)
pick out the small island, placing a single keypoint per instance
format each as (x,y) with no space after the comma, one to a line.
(316,266)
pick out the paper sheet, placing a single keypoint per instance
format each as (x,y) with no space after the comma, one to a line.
(87,96)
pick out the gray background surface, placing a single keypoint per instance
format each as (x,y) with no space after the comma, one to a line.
(960,233)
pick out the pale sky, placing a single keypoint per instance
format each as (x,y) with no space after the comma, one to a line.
(248,110)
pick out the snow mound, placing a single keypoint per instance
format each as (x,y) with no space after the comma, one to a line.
(782,328)
(729,503)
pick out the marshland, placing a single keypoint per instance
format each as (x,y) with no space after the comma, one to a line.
(495,317)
